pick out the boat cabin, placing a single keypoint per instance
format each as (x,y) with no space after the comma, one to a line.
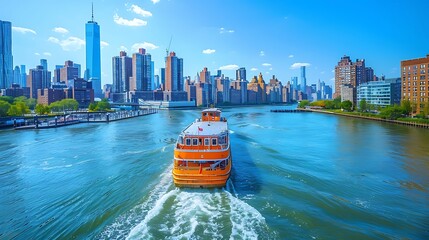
(211,114)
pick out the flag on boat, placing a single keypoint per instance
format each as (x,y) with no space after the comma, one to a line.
(200,129)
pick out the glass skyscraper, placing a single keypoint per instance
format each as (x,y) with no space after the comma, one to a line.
(6,59)
(303,80)
(93,57)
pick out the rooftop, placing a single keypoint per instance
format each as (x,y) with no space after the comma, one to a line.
(206,128)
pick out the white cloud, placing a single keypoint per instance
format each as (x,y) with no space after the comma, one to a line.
(266,64)
(333,71)
(229,67)
(60,30)
(123,48)
(223,30)
(145,45)
(47,54)
(261,53)
(37,54)
(69,44)
(136,22)
(270,69)
(298,65)
(155,1)
(104,44)
(291,56)
(209,51)
(253,69)
(140,11)
(322,72)
(23,30)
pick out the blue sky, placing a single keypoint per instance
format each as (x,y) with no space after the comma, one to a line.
(272,37)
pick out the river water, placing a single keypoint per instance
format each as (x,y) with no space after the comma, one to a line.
(295,176)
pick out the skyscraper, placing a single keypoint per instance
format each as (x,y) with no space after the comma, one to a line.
(141,71)
(93,57)
(303,80)
(240,74)
(23,76)
(44,64)
(68,72)
(38,78)
(6,59)
(17,75)
(122,71)
(173,73)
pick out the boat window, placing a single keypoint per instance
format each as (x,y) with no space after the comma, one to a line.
(214,141)
(180,140)
(195,141)
(207,141)
(188,142)
(200,141)
(222,140)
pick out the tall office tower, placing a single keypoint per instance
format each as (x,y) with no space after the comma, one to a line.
(68,72)
(93,57)
(38,78)
(303,80)
(360,71)
(44,64)
(122,71)
(156,81)
(17,76)
(23,76)
(240,74)
(6,59)
(219,73)
(294,83)
(205,76)
(57,74)
(173,73)
(414,76)
(76,65)
(141,71)
(369,74)
(162,70)
(152,76)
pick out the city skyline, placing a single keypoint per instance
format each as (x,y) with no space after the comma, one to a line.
(276,38)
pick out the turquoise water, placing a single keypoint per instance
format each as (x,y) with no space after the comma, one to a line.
(295,176)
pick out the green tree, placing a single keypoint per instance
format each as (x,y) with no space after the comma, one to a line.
(31,103)
(70,104)
(92,107)
(42,109)
(4,108)
(103,105)
(363,105)
(392,112)
(6,99)
(406,106)
(337,102)
(426,110)
(347,105)
(303,103)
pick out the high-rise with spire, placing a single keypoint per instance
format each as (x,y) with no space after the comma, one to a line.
(6,60)
(93,57)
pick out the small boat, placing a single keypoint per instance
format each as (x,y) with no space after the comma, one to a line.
(202,155)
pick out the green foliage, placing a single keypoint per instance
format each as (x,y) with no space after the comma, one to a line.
(31,103)
(103,105)
(426,110)
(4,108)
(18,109)
(42,109)
(392,112)
(363,105)
(347,105)
(92,107)
(303,103)
(67,104)
(406,106)
(6,99)
(320,103)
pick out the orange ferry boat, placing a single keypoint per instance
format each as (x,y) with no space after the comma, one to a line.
(202,156)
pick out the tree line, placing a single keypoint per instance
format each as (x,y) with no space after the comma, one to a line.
(20,106)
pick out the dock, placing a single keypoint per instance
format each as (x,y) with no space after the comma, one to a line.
(45,122)
(290,110)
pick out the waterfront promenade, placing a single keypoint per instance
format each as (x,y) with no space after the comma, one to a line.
(43,122)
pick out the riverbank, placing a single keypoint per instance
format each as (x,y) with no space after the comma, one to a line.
(413,124)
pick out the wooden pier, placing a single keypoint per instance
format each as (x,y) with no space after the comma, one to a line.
(290,110)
